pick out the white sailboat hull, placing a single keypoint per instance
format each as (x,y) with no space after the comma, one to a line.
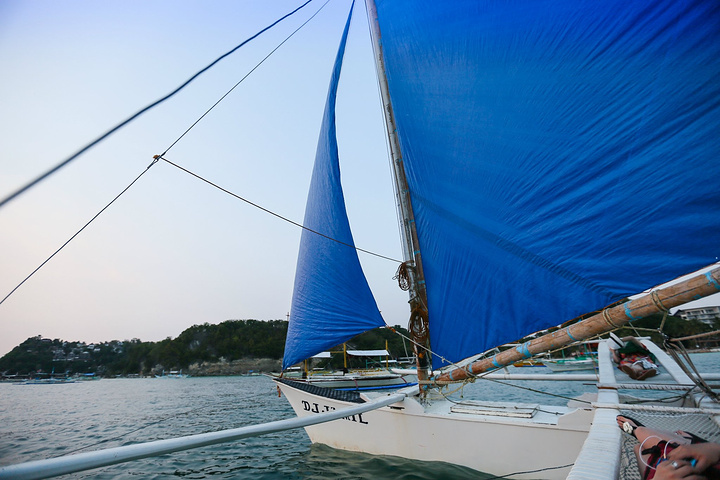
(545,444)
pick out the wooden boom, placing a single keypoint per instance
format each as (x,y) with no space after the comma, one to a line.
(609,319)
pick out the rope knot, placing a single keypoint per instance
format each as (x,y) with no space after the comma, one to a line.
(403,277)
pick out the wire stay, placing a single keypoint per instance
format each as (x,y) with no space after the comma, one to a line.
(134,116)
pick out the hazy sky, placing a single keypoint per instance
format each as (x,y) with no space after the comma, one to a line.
(173,251)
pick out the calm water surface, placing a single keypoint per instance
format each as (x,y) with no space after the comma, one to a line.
(44,421)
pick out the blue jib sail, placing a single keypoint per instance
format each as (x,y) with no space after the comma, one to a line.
(332,301)
(561,155)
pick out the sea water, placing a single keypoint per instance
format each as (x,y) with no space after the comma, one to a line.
(45,421)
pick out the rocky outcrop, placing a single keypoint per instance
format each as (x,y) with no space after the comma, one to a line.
(235,367)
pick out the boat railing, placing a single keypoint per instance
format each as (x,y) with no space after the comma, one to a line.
(604,435)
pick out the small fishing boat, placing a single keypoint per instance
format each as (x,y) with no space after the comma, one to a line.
(172,374)
(51,379)
(528,363)
(48,381)
(570,364)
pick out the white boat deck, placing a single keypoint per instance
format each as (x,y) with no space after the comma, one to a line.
(605,436)
(618,459)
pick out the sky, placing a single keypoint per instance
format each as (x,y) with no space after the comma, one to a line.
(174,252)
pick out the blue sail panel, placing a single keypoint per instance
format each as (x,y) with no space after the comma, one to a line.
(560,155)
(332,301)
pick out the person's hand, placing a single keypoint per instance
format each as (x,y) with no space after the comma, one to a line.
(705,455)
(676,470)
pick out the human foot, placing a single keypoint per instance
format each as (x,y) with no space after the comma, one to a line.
(628,425)
(651,372)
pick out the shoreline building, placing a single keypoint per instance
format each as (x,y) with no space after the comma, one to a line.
(708,315)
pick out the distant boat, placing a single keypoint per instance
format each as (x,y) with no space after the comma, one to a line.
(172,374)
(529,363)
(571,364)
(48,381)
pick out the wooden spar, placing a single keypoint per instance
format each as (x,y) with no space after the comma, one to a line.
(693,337)
(609,319)
(418,325)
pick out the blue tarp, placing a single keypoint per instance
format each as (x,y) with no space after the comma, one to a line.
(331,301)
(561,155)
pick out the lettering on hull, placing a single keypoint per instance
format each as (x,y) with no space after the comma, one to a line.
(313,407)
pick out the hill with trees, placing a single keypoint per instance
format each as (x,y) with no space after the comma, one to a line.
(239,346)
(238,343)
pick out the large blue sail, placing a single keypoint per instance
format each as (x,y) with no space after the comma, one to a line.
(560,155)
(332,301)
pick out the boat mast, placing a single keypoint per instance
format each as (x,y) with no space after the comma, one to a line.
(418,324)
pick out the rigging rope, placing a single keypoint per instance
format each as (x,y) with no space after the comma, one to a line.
(699,335)
(418,325)
(142,111)
(564,397)
(423,347)
(682,358)
(300,225)
(248,73)
(532,471)
(403,277)
(79,231)
(137,114)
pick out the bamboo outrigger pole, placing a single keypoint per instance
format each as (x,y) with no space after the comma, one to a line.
(609,319)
